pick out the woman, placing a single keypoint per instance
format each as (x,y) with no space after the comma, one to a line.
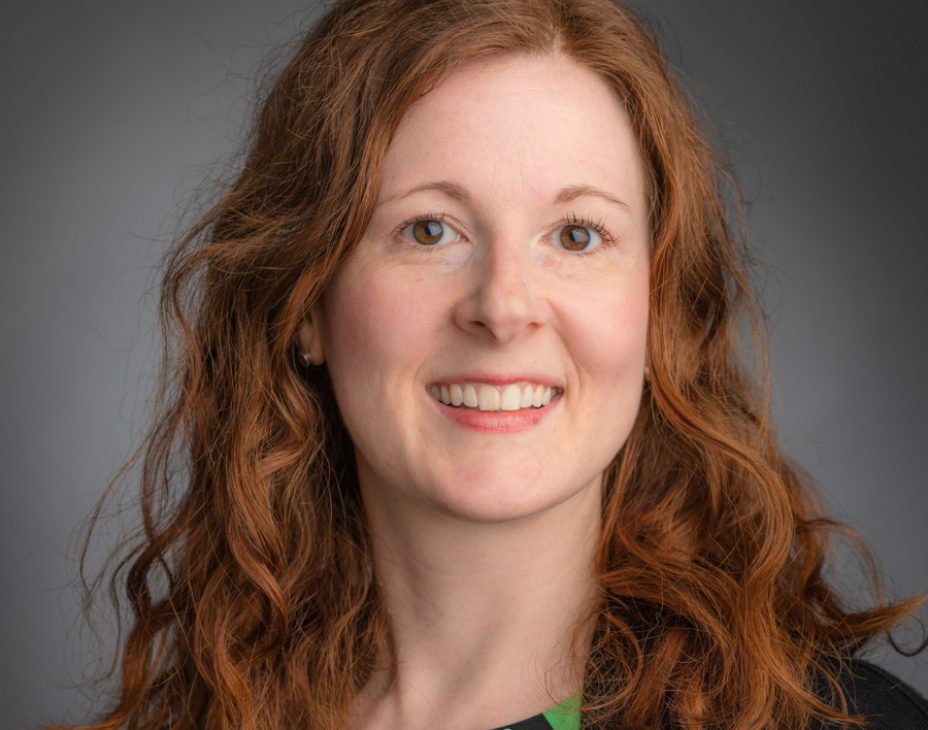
(464,431)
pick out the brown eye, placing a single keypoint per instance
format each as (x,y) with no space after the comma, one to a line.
(575,238)
(428,233)
(431,232)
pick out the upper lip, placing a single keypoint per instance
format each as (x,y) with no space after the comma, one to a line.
(501,380)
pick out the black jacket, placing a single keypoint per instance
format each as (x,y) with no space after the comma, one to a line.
(885,701)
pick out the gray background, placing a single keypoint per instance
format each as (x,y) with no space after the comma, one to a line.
(115,110)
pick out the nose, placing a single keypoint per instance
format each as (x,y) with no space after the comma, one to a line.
(502,299)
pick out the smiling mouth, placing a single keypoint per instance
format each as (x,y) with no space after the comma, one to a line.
(485,397)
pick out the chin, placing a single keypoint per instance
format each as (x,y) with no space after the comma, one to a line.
(495,501)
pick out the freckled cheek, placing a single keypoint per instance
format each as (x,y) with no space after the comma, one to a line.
(608,336)
(378,329)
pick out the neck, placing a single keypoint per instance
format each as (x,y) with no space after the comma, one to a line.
(485,618)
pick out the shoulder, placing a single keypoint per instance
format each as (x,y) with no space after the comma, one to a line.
(884,701)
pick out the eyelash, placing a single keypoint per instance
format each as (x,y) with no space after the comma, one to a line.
(571,219)
(599,226)
(440,217)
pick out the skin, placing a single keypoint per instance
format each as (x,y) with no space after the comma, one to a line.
(484,537)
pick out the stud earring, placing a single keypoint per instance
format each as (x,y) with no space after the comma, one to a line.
(305,357)
(647,375)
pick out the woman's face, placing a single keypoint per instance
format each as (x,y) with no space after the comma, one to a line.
(506,264)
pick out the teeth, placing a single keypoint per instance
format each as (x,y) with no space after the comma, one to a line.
(511,399)
(486,397)
(538,396)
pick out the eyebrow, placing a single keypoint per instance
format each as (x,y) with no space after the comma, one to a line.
(459,193)
(452,190)
(578,191)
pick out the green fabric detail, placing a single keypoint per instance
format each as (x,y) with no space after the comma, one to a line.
(565,716)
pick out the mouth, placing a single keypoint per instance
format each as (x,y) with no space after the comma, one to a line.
(521,396)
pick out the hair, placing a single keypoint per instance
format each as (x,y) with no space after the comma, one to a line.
(251,604)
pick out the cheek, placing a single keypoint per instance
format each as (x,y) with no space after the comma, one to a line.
(377,326)
(608,331)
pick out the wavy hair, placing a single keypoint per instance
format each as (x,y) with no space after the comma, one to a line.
(251,606)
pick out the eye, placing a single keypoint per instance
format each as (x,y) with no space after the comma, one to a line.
(576,237)
(429,232)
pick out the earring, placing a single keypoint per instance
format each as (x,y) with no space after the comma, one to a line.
(305,357)
(647,375)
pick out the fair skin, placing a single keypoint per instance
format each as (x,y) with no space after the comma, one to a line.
(528,270)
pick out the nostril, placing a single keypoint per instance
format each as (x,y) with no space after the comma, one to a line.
(502,302)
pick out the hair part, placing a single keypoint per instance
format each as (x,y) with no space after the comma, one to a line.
(252,605)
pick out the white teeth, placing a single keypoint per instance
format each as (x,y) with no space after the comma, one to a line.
(488,398)
(511,399)
(538,396)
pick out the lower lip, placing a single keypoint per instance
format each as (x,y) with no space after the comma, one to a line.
(474,419)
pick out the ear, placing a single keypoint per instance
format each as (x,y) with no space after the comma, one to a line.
(309,335)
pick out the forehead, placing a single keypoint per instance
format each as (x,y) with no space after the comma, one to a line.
(535,123)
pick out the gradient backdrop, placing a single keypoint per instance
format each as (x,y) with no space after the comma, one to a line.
(114,111)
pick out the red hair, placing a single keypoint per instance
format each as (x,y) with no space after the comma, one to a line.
(251,604)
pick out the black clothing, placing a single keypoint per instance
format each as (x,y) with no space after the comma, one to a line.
(885,701)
